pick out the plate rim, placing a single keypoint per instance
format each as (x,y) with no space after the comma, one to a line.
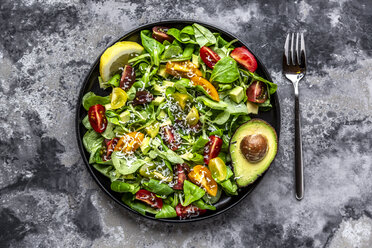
(78,113)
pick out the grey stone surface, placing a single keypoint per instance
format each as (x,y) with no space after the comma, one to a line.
(47,197)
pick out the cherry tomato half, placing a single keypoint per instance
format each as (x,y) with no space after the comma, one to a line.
(167,134)
(142,97)
(129,142)
(218,168)
(257,92)
(160,34)
(118,98)
(188,211)
(149,198)
(109,148)
(128,77)
(181,171)
(202,176)
(209,56)
(212,148)
(97,118)
(244,57)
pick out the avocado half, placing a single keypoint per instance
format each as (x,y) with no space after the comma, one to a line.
(247,171)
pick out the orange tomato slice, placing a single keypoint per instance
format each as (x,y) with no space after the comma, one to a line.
(185,69)
(200,175)
(207,86)
(129,142)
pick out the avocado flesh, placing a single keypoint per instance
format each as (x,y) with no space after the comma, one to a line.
(245,171)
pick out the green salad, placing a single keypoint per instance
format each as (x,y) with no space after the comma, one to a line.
(162,132)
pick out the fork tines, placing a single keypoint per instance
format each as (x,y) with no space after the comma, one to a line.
(293,54)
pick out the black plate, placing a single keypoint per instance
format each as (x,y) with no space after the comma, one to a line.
(91,84)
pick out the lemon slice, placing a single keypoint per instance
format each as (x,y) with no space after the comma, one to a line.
(117,56)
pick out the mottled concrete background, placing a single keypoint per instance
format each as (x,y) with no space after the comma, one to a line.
(47,197)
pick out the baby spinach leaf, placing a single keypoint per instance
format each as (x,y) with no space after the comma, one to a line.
(229,187)
(199,144)
(86,122)
(203,36)
(186,35)
(166,211)
(169,155)
(235,108)
(92,141)
(172,200)
(192,193)
(90,99)
(104,169)
(187,53)
(114,80)
(122,187)
(109,133)
(139,59)
(265,106)
(218,132)
(172,52)
(158,188)
(202,205)
(124,166)
(213,199)
(152,46)
(222,117)
(194,157)
(137,206)
(212,104)
(225,71)
(112,117)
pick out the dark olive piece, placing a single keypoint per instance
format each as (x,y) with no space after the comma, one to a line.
(254,147)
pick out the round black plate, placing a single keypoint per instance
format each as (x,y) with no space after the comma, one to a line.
(91,84)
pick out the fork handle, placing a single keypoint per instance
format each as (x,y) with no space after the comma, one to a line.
(299,168)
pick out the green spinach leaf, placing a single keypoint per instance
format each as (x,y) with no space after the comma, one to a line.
(222,117)
(122,187)
(92,141)
(152,46)
(225,71)
(202,205)
(137,206)
(158,188)
(186,35)
(199,144)
(90,99)
(166,211)
(192,193)
(212,104)
(86,122)
(125,165)
(104,169)
(203,36)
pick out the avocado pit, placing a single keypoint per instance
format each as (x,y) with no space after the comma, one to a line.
(254,147)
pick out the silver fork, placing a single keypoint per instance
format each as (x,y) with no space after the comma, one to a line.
(294,68)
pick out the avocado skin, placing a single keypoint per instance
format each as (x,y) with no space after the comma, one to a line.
(246,172)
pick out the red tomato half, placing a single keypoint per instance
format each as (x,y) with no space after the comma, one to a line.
(167,134)
(212,148)
(188,211)
(257,92)
(181,171)
(128,77)
(244,57)
(97,118)
(109,148)
(149,198)
(160,34)
(209,56)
